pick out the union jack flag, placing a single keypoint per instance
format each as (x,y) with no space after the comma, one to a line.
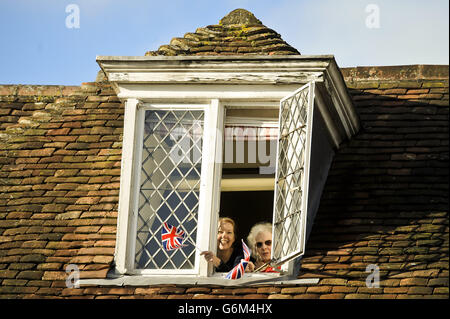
(239,270)
(172,238)
(246,250)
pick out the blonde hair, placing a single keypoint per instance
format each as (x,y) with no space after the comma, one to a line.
(223,220)
(227,220)
(256,229)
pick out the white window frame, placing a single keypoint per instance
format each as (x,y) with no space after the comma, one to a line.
(130,181)
(287,262)
(209,188)
(137,179)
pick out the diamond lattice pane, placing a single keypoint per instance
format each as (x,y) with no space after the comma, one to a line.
(169,186)
(290,174)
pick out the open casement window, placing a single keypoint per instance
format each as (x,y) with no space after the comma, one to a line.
(168,187)
(292,170)
(175,183)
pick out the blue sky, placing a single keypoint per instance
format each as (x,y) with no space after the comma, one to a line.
(37,47)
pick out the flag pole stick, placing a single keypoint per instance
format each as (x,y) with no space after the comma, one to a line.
(193,244)
(261,267)
(268,264)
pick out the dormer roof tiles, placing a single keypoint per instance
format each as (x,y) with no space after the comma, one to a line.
(238,33)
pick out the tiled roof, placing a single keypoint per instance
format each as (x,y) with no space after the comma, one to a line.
(385,201)
(238,33)
(60,152)
(386,198)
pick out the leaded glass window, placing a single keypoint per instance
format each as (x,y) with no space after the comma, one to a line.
(289,218)
(169,186)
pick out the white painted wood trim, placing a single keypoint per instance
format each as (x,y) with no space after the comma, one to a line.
(269,69)
(136,180)
(305,186)
(201,93)
(163,272)
(200,58)
(275,183)
(197,281)
(218,164)
(208,186)
(174,107)
(274,77)
(126,189)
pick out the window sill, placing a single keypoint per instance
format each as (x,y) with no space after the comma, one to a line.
(217,279)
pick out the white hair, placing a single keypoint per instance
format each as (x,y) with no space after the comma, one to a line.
(256,229)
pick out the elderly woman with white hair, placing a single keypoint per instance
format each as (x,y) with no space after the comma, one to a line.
(260,242)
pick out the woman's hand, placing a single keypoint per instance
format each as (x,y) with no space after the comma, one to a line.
(209,257)
(250,267)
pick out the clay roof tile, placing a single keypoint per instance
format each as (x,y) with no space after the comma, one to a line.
(238,33)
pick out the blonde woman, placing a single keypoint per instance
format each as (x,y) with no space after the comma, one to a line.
(228,254)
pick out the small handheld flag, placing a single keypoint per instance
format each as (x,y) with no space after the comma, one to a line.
(172,238)
(246,250)
(239,270)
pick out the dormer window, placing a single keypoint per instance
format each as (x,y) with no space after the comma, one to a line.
(194,126)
